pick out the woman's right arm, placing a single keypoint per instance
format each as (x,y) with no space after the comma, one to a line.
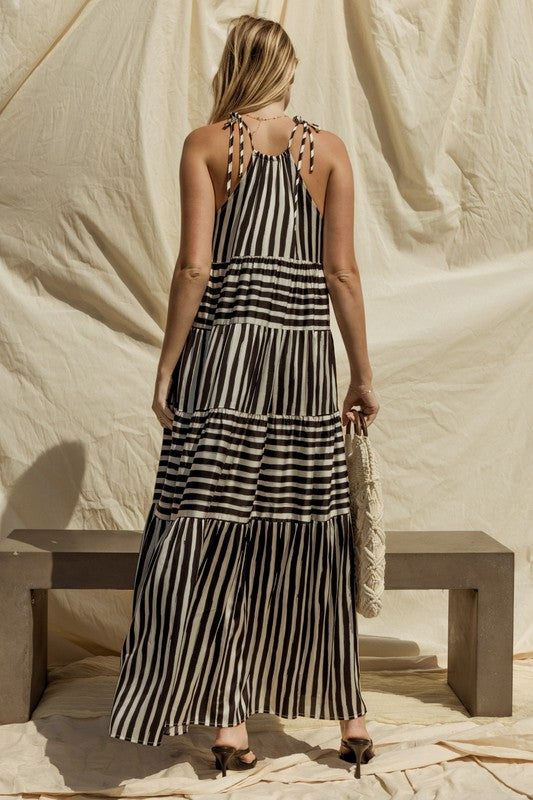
(343,281)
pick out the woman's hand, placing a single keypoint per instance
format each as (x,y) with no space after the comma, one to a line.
(159,405)
(360,395)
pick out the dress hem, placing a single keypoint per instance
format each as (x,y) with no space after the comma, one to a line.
(186,725)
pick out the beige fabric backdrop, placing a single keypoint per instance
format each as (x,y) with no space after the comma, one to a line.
(431,99)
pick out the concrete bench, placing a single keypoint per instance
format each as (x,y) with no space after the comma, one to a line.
(476,569)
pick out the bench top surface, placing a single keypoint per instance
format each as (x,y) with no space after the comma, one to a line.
(27,540)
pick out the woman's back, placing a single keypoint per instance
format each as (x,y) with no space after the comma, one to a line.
(260,351)
(244,597)
(269,212)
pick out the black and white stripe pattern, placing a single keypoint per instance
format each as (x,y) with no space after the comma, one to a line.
(235,619)
(274,292)
(249,369)
(261,220)
(235,118)
(228,464)
(306,128)
(244,596)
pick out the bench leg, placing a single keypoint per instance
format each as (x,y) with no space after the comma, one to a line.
(23,655)
(480,645)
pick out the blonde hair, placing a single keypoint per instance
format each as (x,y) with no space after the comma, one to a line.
(256,67)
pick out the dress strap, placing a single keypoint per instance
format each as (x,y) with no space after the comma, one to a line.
(235,117)
(307,128)
(298,120)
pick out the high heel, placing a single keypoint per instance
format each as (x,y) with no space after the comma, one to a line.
(228,756)
(362,750)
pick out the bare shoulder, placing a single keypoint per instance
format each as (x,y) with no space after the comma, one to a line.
(208,142)
(199,136)
(204,135)
(331,155)
(333,145)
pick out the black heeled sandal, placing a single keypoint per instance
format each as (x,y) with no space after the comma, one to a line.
(227,756)
(361,750)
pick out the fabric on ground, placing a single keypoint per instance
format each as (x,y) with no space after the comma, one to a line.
(424,739)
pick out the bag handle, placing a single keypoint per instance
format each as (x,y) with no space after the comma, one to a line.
(359,424)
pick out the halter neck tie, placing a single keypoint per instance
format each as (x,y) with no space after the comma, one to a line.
(236,117)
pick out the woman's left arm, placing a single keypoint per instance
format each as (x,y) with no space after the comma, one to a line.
(193,265)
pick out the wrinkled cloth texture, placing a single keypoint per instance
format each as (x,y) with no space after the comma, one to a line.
(423,739)
(433,106)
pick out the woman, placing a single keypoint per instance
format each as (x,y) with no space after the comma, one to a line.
(244,597)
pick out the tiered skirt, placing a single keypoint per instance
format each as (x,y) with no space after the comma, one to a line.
(245,596)
(231,619)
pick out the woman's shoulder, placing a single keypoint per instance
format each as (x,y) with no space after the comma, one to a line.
(325,141)
(329,148)
(329,138)
(203,130)
(206,135)
(332,139)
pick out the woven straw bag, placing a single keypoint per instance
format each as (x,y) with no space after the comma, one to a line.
(366,508)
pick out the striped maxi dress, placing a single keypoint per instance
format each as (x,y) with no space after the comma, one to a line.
(244,594)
